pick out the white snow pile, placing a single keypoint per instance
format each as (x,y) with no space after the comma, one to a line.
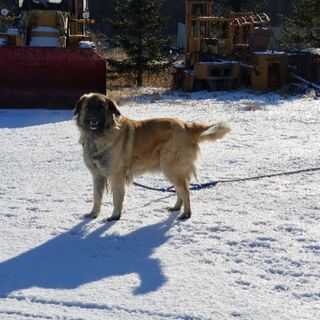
(87,44)
(251,249)
(13,31)
(3,41)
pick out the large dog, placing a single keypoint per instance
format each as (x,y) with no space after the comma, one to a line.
(115,149)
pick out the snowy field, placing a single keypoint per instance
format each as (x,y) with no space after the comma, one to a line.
(251,249)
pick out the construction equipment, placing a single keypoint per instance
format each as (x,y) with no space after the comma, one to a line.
(223,52)
(47,57)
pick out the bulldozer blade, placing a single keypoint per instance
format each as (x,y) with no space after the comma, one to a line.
(48,77)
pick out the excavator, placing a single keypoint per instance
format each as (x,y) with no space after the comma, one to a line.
(48,58)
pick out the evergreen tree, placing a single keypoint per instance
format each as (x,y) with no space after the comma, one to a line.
(137,29)
(8,4)
(302,30)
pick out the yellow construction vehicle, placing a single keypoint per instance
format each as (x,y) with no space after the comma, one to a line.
(47,56)
(221,51)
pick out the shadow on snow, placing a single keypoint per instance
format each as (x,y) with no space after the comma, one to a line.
(233,96)
(76,258)
(20,118)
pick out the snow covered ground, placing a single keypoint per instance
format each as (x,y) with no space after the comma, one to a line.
(251,250)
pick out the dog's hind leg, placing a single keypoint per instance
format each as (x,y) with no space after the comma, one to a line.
(181,186)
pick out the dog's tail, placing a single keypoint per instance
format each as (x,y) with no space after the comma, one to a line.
(211,133)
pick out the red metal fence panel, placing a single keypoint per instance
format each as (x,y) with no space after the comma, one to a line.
(49,77)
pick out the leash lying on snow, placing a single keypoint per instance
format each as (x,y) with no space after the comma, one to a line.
(211,184)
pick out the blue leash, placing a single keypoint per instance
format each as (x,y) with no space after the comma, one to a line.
(211,184)
(168,189)
(193,186)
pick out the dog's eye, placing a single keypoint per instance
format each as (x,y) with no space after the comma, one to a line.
(86,108)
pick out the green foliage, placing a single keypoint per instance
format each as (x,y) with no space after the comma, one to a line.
(302,30)
(137,30)
(8,4)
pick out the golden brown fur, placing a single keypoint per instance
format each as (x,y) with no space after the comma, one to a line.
(116,148)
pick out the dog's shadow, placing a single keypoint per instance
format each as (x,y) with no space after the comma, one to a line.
(76,258)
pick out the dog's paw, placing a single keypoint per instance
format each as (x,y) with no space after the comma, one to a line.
(112,218)
(184,216)
(91,215)
(171,209)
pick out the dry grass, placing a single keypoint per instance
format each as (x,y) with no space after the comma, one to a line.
(125,84)
(162,80)
(124,88)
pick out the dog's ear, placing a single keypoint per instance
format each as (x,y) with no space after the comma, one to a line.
(78,105)
(112,106)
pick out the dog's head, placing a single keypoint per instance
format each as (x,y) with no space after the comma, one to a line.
(95,113)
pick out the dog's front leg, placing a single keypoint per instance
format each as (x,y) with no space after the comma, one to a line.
(118,192)
(98,189)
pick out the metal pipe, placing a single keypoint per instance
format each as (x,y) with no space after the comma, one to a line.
(249,66)
(314,85)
